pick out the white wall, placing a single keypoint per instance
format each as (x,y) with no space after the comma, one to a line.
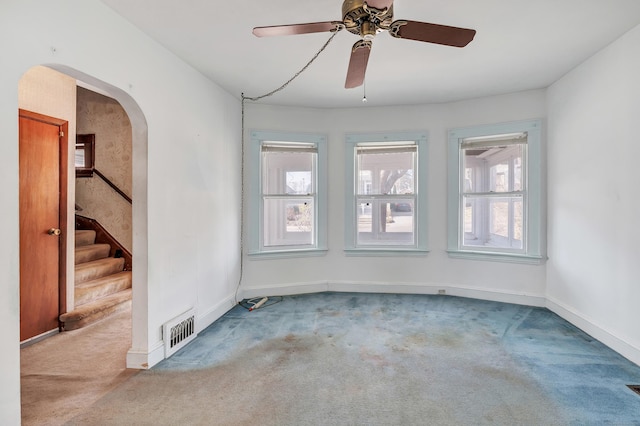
(186,184)
(186,180)
(517,283)
(594,198)
(109,122)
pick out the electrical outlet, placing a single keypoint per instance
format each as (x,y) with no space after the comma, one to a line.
(441,292)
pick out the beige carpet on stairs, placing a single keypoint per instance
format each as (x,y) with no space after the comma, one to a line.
(64,374)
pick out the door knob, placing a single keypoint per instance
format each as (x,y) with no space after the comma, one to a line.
(54,231)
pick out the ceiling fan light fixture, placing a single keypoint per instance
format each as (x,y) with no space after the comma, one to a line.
(367,30)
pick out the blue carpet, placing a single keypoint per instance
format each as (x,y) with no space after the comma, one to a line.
(381,359)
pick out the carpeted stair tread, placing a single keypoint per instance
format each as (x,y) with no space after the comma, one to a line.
(91,252)
(98,268)
(100,287)
(85,237)
(94,311)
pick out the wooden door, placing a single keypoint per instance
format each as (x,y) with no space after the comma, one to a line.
(42,190)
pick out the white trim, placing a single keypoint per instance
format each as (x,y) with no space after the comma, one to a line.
(494,295)
(209,317)
(141,360)
(621,346)
(382,252)
(284,289)
(286,254)
(497,257)
(144,360)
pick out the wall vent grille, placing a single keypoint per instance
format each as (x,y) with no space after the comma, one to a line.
(179,331)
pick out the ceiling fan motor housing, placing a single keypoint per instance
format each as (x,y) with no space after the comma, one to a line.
(365,21)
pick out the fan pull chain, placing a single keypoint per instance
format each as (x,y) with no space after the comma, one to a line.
(364,80)
(273,92)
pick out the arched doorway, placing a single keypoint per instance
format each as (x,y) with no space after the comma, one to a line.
(139,212)
(139,312)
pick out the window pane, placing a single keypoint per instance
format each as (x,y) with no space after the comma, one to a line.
(299,182)
(288,172)
(386,222)
(288,221)
(80,157)
(493,169)
(493,222)
(385,172)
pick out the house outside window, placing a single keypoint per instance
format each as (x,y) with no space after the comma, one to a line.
(495,204)
(287,193)
(385,201)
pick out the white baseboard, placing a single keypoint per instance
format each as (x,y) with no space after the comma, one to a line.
(206,319)
(145,360)
(399,288)
(446,289)
(142,360)
(283,289)
(627,350)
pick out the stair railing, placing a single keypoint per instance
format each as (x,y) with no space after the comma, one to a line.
(112,185)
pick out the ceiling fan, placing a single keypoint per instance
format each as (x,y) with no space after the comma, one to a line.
(366,18)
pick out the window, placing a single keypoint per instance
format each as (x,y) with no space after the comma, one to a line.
(85,155)
(494,192)
(384,211)
(288,193)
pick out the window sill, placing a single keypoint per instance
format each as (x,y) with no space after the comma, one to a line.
(289,253)
(379,251)
(497,257)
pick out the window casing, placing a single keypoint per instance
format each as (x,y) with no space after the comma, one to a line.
(495,201)
(288,197)
(384,211)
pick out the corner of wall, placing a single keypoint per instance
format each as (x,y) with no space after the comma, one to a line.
(623,347)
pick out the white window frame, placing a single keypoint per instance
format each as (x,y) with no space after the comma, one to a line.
(255,200)
(419,246)
(533,250)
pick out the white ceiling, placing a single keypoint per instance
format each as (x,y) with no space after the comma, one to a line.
(519,45)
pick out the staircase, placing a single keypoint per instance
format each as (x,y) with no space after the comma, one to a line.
(102,285)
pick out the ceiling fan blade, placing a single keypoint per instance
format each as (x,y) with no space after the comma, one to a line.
(358,64)
(294,29)
(379,4)
(432,33)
